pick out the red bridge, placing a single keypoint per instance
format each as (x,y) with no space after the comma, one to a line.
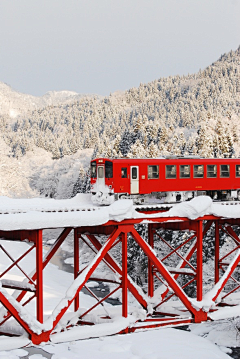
(165,303)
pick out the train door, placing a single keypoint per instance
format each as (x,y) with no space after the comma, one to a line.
(100,176)
(134,180)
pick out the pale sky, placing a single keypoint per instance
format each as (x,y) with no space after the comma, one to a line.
(101,46)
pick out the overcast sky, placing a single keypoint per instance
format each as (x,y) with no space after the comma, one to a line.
(101,46)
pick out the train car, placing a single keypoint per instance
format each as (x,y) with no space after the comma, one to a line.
(165,180)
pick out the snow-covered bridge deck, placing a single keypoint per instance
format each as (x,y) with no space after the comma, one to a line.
(104,229)
(40,213)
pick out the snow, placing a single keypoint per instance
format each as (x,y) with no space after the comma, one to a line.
(197,207)
(37,213)
(226,312)
(38,174)
(10,343)
(156,344)
(120,210)
(226,211)
(11,205)
(98,330)
(224,333)
(15,283)
(93,284)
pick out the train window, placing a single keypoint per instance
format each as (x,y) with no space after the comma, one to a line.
(124,172)
(94,169)
(224,171)
(171,171)
(100,172)
(198,171)
(211,171)
(184,171)
(237,170)
(134,173)
(108,169)
(153,172)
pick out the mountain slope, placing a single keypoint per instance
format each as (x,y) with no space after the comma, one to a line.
(194,114)
(14,103)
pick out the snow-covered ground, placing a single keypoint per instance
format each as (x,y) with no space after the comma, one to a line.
(156,344)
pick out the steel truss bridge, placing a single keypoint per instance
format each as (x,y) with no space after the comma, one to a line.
(174,272)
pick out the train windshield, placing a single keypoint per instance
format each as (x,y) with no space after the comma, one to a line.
(108,169)
(94,169)
(100,172)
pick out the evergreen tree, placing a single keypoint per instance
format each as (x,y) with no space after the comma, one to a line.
(126,142)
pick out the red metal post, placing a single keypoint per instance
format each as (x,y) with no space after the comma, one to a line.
(76,265)
(150,265)
(39,273)
(216,251)
(199,261)
(124,276)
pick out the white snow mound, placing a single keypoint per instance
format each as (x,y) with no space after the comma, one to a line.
(120,210)
(197,207)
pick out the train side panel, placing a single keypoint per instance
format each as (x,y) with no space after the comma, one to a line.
(183,178)
(162,184)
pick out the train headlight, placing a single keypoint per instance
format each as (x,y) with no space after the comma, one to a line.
(110,189)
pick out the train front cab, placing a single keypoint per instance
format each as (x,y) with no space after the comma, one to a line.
(102,181)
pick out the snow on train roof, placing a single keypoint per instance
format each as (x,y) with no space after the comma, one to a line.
(39,213)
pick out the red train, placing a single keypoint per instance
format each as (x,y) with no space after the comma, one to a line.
(164,180)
